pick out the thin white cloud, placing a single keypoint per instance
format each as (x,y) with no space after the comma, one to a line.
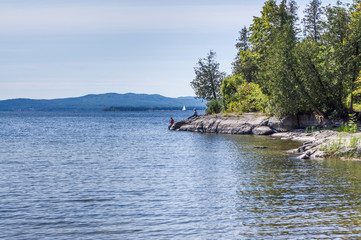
(92,19)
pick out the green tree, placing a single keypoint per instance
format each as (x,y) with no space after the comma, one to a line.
(260,40)
(312,21)
(335,54)
(312,61)
(244,62)
(261,29)
(208,78)
(312,68)
(353,48)
(317,73)
(242,43)
(275,35)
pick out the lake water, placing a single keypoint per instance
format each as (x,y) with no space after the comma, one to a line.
(123,175)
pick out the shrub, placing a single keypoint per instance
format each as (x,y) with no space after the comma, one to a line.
(350,126)
(214,106)
(242,96)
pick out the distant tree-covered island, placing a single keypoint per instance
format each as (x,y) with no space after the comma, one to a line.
(105,102)
(122,109)
(288,66)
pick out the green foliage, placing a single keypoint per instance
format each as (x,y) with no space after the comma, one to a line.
(334,146)
(333,39)
(357,94)
(347,147)
(351,126)
(214,106)
(357,91)
(242,96)
(312,129)
(313,25)
(316,73)
(245,63)
(283,74)
(278,67)
(208,78)
(355,141)
(242,43)
(352,46)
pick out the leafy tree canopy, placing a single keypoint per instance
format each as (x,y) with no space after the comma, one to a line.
(208,78)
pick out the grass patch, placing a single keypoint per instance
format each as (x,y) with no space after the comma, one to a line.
(311,129)
(351,125)
(344,146)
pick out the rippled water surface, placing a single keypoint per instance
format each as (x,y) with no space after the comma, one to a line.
(125,176)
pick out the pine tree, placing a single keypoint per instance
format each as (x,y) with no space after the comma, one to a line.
(242,44)
(353,48)
(244,63)
(312,20)
(333,42)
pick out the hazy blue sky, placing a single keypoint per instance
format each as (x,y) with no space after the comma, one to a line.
(65,48)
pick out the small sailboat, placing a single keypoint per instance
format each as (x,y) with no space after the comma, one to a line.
(184,108)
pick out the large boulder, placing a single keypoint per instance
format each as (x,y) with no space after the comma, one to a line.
(263,130)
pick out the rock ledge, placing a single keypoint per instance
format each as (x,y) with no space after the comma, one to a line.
(259,124)
(247,123)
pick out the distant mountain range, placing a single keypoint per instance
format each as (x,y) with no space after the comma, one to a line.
(107,101)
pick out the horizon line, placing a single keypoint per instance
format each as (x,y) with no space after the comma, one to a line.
(29,98)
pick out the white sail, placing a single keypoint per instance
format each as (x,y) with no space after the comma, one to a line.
(184,108)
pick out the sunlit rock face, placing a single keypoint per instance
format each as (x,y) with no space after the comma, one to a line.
(247,123)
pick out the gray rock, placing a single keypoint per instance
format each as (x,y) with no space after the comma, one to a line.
(262,130)
(255,123)
(303,156)
(318,155)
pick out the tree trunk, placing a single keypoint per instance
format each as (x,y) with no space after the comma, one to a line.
(213,87)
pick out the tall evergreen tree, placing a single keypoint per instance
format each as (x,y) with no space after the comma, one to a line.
(261,30)
(274,36)
(244,63)
(353,47)
(318,73)
(287,90)
(335,54)
(242,41)
(312,61)
(312,21)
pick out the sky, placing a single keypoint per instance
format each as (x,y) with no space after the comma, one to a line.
(68,48)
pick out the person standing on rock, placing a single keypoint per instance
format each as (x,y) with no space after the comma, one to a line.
(171,122)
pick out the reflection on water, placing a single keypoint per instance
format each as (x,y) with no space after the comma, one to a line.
(125,176)
(298,198)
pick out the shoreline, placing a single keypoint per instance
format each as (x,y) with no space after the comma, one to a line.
(318,144)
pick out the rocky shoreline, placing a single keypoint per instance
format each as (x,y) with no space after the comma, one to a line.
(314,143)
(247,123)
